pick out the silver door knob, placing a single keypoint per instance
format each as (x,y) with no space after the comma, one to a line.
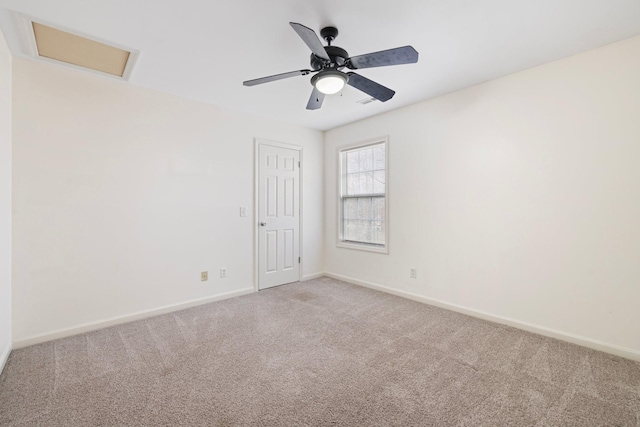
(262,224)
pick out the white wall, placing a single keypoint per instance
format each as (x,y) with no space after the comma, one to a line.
(123,195)
(5,201)
(518,198)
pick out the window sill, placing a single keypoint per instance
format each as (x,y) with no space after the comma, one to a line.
(363,247)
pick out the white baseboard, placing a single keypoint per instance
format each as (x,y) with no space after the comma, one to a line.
(101,324)
(5,356)
(541,330)
(312,276)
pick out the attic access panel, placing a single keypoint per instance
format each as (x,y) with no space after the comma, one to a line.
(80,51)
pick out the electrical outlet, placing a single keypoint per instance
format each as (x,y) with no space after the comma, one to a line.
(223,273)
(414,273)
(204,276)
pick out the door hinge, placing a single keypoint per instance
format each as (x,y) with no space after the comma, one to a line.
(298,164)
(298,260)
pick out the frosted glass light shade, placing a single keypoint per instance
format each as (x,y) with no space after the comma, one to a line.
(329,82)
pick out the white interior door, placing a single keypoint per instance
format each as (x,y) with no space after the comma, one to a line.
(278,216)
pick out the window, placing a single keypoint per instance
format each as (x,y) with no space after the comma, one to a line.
(363,201)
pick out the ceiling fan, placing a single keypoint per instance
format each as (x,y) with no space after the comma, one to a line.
(329,61)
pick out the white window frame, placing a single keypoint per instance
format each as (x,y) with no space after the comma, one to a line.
(339,238)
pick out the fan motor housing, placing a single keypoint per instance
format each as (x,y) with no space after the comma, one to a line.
(329,34)
(338,58)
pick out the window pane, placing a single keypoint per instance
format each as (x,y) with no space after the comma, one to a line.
(362,183)
(364,208)
(379,182)
(353,183)
(364,230)
(378,208)
(366,159)
(352,162)
(350,230)
(350,209)
(379,232)
(378,157)
(366,183)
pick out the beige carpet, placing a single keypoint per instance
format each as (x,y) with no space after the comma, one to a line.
(319,353)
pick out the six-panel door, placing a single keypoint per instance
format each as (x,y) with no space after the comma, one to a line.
(278,216)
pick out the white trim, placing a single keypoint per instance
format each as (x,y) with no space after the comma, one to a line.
(256,220)
(16,29)
(300,210)
(278,144)
(541,330)
(312,276)
(4,357)
(256,206)
(100,324)
(363,246)
(354,245)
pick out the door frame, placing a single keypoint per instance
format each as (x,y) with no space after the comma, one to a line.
(256,204)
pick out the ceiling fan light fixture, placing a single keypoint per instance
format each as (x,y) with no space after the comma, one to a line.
(327,61)
(329,81)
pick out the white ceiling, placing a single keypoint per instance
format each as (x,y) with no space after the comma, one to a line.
(205,49)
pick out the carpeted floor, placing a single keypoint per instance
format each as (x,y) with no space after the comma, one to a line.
(319,353)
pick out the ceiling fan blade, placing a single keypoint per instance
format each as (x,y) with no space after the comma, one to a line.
(397,56)
(315,100)
(275,77)
(311,39)
(370,87)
